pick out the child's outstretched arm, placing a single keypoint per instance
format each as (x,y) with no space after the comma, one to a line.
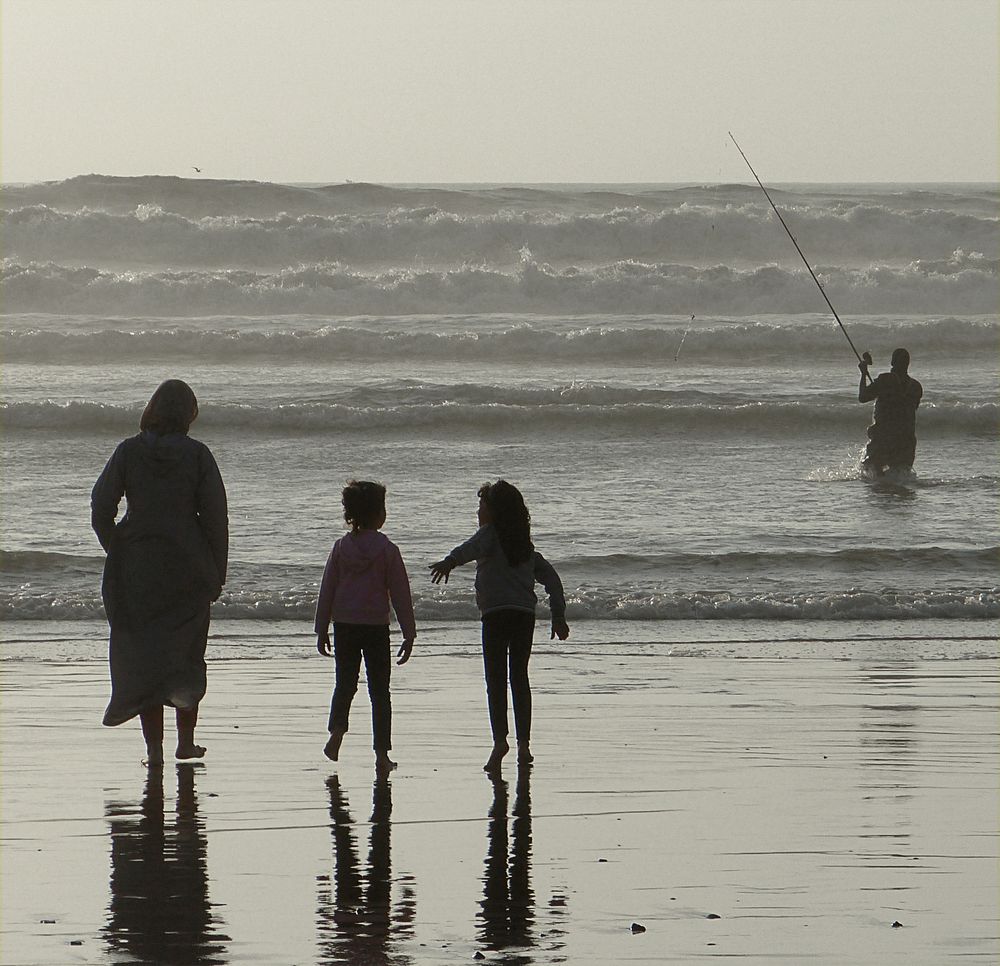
(472,549)
(546,575)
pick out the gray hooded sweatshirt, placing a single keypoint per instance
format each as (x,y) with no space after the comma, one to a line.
(499,586)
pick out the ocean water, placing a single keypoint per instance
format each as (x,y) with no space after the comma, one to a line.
(651,365)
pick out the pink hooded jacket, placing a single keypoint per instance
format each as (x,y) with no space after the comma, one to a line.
(364,571)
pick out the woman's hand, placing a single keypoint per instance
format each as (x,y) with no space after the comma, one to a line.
(404,652)
(441,569)
(323,644)
(560,629)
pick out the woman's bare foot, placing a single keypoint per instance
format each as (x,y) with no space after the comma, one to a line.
(500,748)
(186,751)
(332,748)
(154,756)
(383,765)
(524,755)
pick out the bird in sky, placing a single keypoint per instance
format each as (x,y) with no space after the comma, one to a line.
(196,169)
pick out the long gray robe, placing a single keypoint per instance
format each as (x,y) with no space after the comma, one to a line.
(166,562)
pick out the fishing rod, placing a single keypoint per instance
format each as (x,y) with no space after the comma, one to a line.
(683,337)
(867,359)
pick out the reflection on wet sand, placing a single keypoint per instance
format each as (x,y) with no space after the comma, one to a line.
(356,922)
(889,751)
(508,903)
(159,909)
(888,733)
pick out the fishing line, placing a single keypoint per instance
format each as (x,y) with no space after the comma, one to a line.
(867,357)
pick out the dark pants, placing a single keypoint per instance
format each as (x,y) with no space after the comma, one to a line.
(507,640)
(896,452)
(351,642)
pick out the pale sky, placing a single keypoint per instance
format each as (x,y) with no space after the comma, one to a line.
(469,91)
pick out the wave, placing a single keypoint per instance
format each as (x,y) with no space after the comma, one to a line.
(196,197)
(306,418)
(202,196)
(825,606)
(964,283)
(630,565)
(482,339)
(950,559)
(846,233)
(831,605)
(41,562)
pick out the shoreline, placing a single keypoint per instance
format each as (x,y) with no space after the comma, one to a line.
(75,641)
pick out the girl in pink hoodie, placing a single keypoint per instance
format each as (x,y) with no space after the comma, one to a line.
(363,574)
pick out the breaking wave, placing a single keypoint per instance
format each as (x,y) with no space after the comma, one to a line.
(483,339)
(46,585)
(852,233)
(830,605)
(548,411)
(963,283)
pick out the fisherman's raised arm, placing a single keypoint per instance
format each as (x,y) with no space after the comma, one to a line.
(866,389)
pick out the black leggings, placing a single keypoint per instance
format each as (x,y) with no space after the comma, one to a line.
(351,642)
(507,639)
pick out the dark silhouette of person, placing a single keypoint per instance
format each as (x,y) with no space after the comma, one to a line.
(507,909)
(356,921)
(159,909)
(507,568)
(892,436)
(166,563)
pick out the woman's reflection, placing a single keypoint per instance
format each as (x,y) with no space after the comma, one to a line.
(508,904)
(159,910)
(355,918)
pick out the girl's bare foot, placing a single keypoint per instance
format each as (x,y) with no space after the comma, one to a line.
(154,756)
(332,749)
(187,751)
(500,748)
(383,765)
(524,755)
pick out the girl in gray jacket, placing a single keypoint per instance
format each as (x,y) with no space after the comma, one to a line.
(507,566)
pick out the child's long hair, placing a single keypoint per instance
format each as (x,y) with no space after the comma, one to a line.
(510,519)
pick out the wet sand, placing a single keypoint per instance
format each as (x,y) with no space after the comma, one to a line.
(765,810)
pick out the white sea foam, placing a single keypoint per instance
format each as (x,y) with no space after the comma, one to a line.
(619,339)
(833,605)
(854,234)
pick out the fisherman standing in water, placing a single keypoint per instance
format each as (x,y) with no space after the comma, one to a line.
(892,436)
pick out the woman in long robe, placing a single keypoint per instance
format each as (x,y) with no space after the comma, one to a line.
(166,563)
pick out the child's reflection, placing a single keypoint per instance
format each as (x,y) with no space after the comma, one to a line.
(159,910)
(507,916)
(355,918)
